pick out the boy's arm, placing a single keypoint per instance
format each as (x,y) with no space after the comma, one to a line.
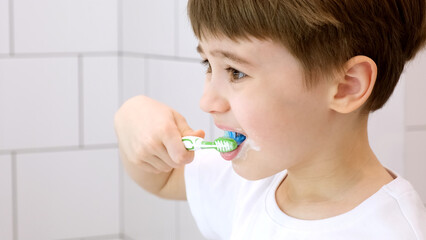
(169,185)
(150,143)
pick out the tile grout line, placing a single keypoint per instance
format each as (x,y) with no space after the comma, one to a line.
(100,54)
(120,25)
(121,191)
(11,29)
(59,54)
(415,128)
(98,237)
(80,102)
(120,70)
(60,149)
(14,197)
(161,57)
(176,27)
(146,78)
(404,122)
(177,226)
(120,80)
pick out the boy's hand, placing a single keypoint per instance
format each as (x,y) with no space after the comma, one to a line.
(149,135)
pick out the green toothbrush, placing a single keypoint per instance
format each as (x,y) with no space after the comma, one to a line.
(222,144)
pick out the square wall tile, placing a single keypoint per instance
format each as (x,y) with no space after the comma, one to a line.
(187,42)
(68,194)
(65,26)
(415,161)
(100,81)
(149,26)
(386,131)
(147,216)
(4,26)
(134,75)
(415,75)
(38,103)
(180,86)
(6,216)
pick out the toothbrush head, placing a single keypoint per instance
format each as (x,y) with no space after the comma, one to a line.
(238,137)
(225,144)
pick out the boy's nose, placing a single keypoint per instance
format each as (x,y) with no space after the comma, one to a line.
(212,100)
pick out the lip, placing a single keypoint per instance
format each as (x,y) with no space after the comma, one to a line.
(226,128)
(229,156)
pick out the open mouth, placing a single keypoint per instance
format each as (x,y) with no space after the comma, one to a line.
(238,137)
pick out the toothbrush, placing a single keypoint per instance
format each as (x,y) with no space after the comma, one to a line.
(222,144)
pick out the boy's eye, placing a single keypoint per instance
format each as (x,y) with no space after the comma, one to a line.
(235,74)
(206,64)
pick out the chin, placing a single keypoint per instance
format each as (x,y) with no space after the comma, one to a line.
(251,167)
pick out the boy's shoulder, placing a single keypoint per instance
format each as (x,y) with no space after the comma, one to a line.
(405,203)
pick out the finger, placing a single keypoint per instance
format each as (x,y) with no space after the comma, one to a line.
(159,164)
(199,133)
(173,141)
(176,149)
(165,156)
(184,128)
(149,168)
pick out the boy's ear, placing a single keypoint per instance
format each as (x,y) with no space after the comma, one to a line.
(354,85)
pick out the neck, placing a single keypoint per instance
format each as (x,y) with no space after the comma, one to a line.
(339,178)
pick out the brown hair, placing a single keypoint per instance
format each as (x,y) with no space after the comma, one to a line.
(324,34)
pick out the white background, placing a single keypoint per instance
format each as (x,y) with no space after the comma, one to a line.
(65,68)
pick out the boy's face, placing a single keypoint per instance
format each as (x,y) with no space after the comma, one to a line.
(257,88)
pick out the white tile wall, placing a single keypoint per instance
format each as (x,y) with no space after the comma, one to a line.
(416,161)
(147,216)
(180,86)
(100,81)
(65,26)
(134,75)
(415,75)
(386,131)
(6,224)
(4,26)
(38,102)
(149,26)
(67,194)
(187,42)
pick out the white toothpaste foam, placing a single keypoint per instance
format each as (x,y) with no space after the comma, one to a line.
(248,145)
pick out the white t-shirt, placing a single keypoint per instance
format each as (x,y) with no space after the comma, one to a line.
(227,206)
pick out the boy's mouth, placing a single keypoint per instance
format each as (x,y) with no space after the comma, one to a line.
(239,138)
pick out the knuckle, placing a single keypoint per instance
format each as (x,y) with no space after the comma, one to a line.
(181,159)
(166,169)
(166,129)
(149,168)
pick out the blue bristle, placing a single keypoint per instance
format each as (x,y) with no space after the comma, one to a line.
(239,139)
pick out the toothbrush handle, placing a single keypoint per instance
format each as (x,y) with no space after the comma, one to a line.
(193,143)
(207,145)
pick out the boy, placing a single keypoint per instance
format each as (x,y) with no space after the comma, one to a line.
(298,79)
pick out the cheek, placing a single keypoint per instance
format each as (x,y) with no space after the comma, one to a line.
(259,119)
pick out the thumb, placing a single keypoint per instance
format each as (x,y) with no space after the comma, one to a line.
(198,133)
(184,128)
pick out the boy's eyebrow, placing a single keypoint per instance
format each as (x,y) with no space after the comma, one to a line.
(228,55)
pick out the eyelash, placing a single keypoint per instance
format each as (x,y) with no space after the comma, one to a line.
(233,72)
